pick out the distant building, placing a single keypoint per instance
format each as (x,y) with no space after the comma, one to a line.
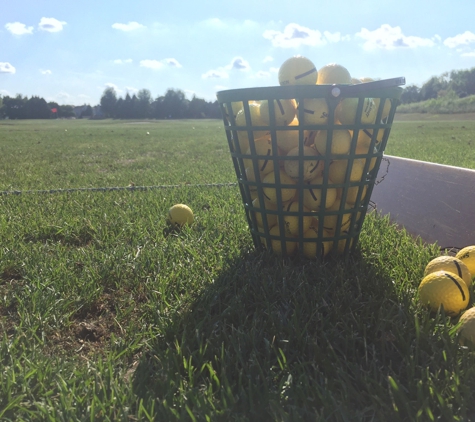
(97,112)
(79,110)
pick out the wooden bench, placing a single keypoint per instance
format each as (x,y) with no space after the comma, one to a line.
(432,201)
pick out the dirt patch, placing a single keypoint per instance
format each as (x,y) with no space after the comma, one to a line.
(429,117)
(89,332)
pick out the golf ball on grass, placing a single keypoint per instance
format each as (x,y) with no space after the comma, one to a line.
(451,265)
(442,288)
(180,215)
(467,256)
(466,328)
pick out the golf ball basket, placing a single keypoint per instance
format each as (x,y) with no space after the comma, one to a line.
(344,236)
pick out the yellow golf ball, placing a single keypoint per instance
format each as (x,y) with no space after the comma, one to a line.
(333,73)
(180,215)
(310,248)
(297,70)
(442,288)
(277,243)
(451,265)
(466,328)
(467,256)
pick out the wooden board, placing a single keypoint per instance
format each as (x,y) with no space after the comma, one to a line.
(433,201)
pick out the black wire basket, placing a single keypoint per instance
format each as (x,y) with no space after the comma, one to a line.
(306,159)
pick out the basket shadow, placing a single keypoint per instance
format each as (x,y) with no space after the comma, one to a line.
(277,337)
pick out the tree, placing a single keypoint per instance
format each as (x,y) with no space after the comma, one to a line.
(196,108)
(462,82)
(66,111)
(410,94)
(54,105)
(87,112)
(128,107)
(143,108)
(108,102)
(158,110)
(432,87)
(37,108)
(175,104)
(14,107)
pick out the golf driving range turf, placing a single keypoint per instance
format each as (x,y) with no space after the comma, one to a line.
(106,314)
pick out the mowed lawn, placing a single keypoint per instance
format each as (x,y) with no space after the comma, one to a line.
(106,314)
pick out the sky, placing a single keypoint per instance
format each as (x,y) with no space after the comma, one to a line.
(71,51)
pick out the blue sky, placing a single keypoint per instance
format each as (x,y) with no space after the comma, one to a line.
(70,52)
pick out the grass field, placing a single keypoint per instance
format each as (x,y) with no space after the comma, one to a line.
(107,315)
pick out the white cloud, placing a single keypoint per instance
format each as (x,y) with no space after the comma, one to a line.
(45,72)
(238,63)
(336,37)
(388,38)
(262,74)
(268,59)
(159,64)
(115,87)
(64,96)
(172,62)
(189,93)
(131,89)
(464,39)
(120,61)
(214,23)
(127,27)
(274,69)
(151,64)
(5,93)
(51,25)
(17,28)
(215,74)
(469,54)
(295,35)
(6,67)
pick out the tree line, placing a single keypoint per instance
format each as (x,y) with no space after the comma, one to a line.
(172,105)
(458,83)
(35,107)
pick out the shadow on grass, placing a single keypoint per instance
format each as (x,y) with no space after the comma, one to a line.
(273,339)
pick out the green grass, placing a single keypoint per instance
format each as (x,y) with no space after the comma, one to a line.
(447,104)
(450,142)
(107,315)
(72,153)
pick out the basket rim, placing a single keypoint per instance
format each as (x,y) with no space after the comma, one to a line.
(386,88)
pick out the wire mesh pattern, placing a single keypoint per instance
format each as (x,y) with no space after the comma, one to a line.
(115,188)
(306,159)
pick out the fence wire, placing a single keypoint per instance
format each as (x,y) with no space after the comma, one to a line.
(116,188)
